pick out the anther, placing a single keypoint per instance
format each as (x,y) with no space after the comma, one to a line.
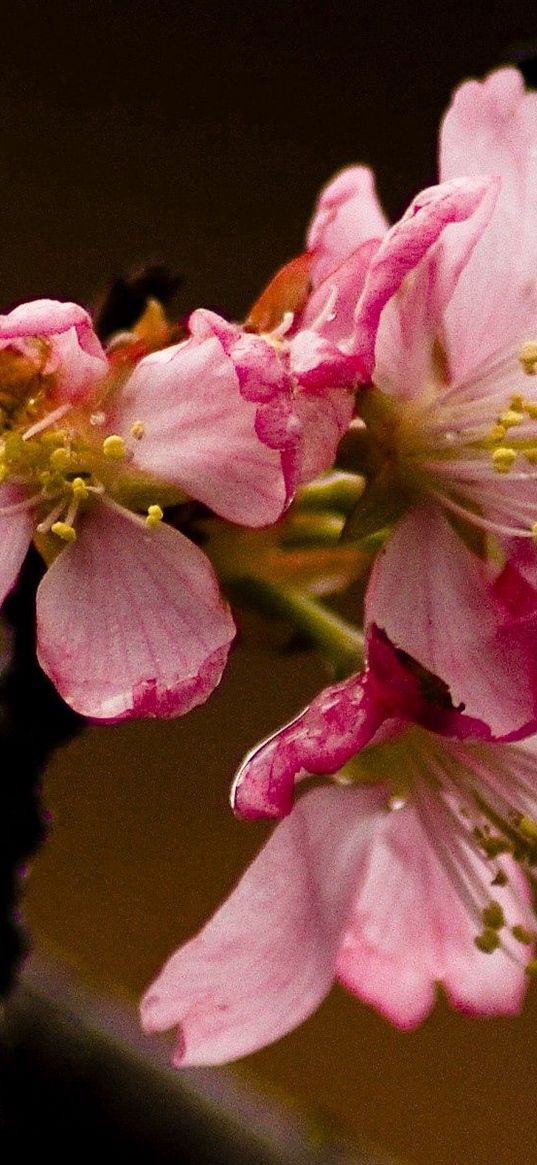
(503,458)
(79,488)
(137,430)
(528,357)
(155,515)
(531,968)
(510,418)
(522,935)
(528,828)
(60,458)
(488,941)
(64,531)
(491,844)
(114,447)
(493,916)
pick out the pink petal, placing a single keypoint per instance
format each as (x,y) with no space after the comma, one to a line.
(325,404)
(43,317)
(130,620)
(76,358)
(491,128)
(330,309)
(414,318)
(266,959)
(325,417)
(348,214)
(201,430)
(405,245)
(345,718)
(430,595)
(411,928)
(15,536)
(336,725)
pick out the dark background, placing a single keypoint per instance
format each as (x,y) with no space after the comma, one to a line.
(200,134)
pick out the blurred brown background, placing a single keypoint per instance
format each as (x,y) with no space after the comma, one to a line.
(200,134)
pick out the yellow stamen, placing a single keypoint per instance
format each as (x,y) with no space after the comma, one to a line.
(64,531)
(522,935)
(114,447)
(137,430)
(497,433)
(530,407)
(60,458)
(531,968)
(493,916)
(534,532)
(155,515)
(528,827)
(503,458)
(79,488)
(528,357)
(510,418)
(488,941)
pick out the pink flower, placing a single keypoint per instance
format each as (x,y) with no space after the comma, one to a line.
(402,879)
(129,615)
(450,438)
(300,339)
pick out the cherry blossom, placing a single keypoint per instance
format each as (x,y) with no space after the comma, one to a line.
(130,620)
(408,870)
(446,436)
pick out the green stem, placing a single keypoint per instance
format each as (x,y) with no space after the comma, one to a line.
(335,491)
(341,643)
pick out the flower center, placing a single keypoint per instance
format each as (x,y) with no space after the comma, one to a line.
(472,448)
(474,800)
(61,455)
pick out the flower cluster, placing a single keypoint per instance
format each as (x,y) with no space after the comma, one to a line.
(374,416)
(412,865)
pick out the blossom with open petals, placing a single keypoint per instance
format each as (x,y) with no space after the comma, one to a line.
(406,872)
(449,436)
(129,615)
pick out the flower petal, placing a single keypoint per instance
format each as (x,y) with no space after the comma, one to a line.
(337,723)
(266,959)
(491,128)
(76,355)
(405,245)
(411,928)
(15,536)
(325,416)
(413,322)
(330,309)
(347,214)
(430,595)
(130,620)
(201,429)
